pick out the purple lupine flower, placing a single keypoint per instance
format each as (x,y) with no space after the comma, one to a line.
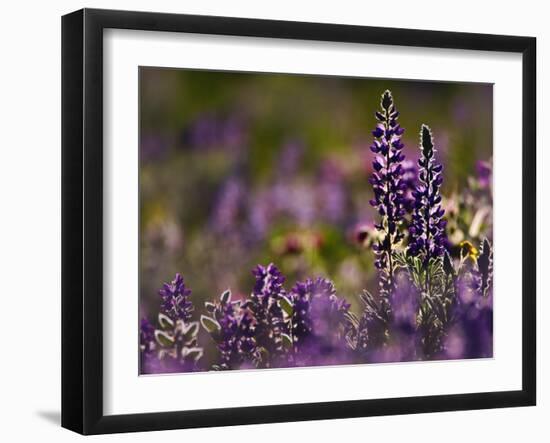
(404,303)
(388,329)
(315,306)
(389,187)
(264,305)
(331,192)
(427,230)
(410,178)
(173,346)
(470,333)
(175,300)
(233,329)
(403,326)
(484,173)
(300,207)
(289,159)
(233,133)
(319,323)
(269,281)
(228,205)
(202,131)
(209,130)
(260,213)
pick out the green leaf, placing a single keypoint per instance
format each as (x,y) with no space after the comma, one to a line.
(226,296)
(165,322)
(286,305)
(164,339)
(263,354)
(210,307)
(351,318)
(448,264)
(188,330)
(485,265)
(191,353)
(287,341)
(211,325)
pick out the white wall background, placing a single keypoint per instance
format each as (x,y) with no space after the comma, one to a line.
(30,92)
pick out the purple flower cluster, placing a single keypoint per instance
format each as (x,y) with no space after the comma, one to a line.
(308,325)
(175,299)
(470,333)
(228,207)
(427,230)
(208,131)
(172,345)
(389,187)
(319,323)
(250,212)
(265,305)
(232,327)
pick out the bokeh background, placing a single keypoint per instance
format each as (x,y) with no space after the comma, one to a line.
(238,169)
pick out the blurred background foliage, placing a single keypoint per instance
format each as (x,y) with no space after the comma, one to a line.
(244,168)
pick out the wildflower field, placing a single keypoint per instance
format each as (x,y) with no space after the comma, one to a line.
(295,220)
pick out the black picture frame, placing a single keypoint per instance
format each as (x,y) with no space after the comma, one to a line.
(82,220)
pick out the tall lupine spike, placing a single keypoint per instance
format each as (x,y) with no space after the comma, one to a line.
(175,300)
(264,305)
(485,265)
(388,186)
(427,230)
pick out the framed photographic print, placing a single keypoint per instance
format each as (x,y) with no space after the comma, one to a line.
(270,221)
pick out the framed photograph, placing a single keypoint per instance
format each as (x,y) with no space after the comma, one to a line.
(269,221)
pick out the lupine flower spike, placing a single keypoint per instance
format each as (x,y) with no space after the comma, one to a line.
(175,299)
(427,230)
(232,328)
(264,305)
(173,346)
(388,186)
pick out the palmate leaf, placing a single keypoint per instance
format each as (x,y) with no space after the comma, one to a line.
(374,309)
(413,265)
(434,281)
(434,272)
(437,277)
